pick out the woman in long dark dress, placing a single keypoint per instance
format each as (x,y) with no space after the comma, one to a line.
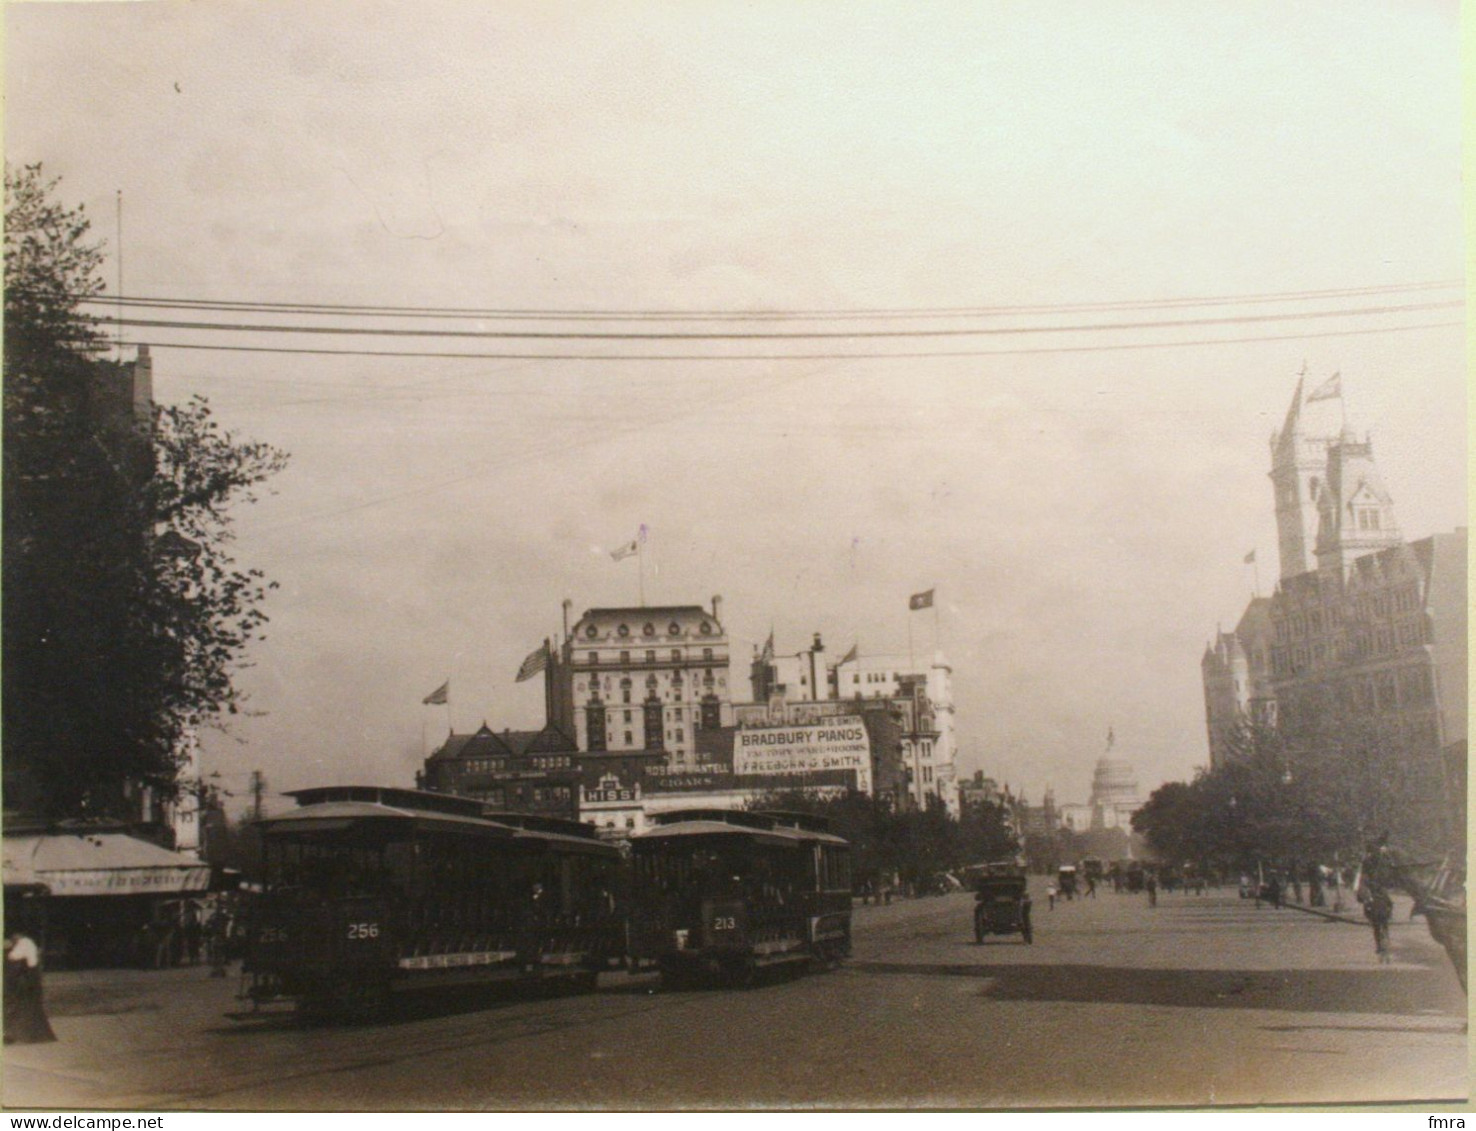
(25,1012)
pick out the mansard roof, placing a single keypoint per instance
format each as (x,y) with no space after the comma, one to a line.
(687,618)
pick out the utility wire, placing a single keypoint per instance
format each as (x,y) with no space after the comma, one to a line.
(533,314)
(776,335)
(898,355)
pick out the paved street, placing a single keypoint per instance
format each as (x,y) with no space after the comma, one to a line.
(1202,1000)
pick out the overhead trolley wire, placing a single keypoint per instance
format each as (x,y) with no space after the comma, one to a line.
(831,356)
(774,335)
(684,315)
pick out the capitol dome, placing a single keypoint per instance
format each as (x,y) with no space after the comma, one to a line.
(1114,782)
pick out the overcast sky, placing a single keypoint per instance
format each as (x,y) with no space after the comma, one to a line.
(1082,500)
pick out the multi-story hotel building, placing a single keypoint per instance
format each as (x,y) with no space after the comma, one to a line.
(644,678)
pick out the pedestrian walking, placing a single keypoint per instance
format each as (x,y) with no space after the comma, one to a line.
(1051,896)
(217,936)
(1379,910)
(25,1011)
(1151,883)
(193,934)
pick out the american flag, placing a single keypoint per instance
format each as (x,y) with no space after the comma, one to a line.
(534,664)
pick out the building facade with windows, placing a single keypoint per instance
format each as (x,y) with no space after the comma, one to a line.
(644,678)
(1360,653)
(920,697)
(537,771)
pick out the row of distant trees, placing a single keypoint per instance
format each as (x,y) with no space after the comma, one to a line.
(913,845)
(1294,796)
(125,616)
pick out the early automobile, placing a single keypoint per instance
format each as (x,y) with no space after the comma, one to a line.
(1001,901)
(1066,881)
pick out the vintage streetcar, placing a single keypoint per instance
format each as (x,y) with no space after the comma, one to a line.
(722,894)
(369,892)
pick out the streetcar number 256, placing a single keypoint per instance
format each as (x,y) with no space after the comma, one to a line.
(363,930)
(724,923)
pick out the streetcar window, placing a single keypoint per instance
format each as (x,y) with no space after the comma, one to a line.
(328,868)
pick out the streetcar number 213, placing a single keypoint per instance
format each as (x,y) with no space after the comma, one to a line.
(363,930)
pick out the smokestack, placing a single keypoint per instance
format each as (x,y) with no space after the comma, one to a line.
(717,608)
(568,604)
(143,386)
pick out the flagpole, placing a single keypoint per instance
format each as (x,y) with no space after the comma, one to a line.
(911,660)
(935,621)
(641,568)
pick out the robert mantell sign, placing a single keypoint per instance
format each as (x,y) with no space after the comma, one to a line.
(838,743)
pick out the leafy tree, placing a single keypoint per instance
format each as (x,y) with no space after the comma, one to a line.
(986,833)
(125,615)
(49,268)
(914,844)
(1172,820)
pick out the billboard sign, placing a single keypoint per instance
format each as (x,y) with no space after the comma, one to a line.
(839,743)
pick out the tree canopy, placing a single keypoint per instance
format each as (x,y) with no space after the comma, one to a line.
(915,845)
(125,616)
(1287,795)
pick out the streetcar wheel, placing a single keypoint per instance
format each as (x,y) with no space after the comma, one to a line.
(364,1002)
(585,983)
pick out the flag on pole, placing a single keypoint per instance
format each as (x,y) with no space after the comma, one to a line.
(439,696)
(1332,387)
(852,654)
(920,601)
(625,551)
(537,660)
(1250,558)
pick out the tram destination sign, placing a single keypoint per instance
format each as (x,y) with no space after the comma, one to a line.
(838,743)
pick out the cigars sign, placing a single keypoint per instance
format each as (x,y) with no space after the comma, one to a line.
(838,743)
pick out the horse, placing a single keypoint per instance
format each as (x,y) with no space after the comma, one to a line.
(1438,888)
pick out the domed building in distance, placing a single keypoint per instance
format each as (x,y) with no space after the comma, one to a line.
(1114,791)
(1114,796)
